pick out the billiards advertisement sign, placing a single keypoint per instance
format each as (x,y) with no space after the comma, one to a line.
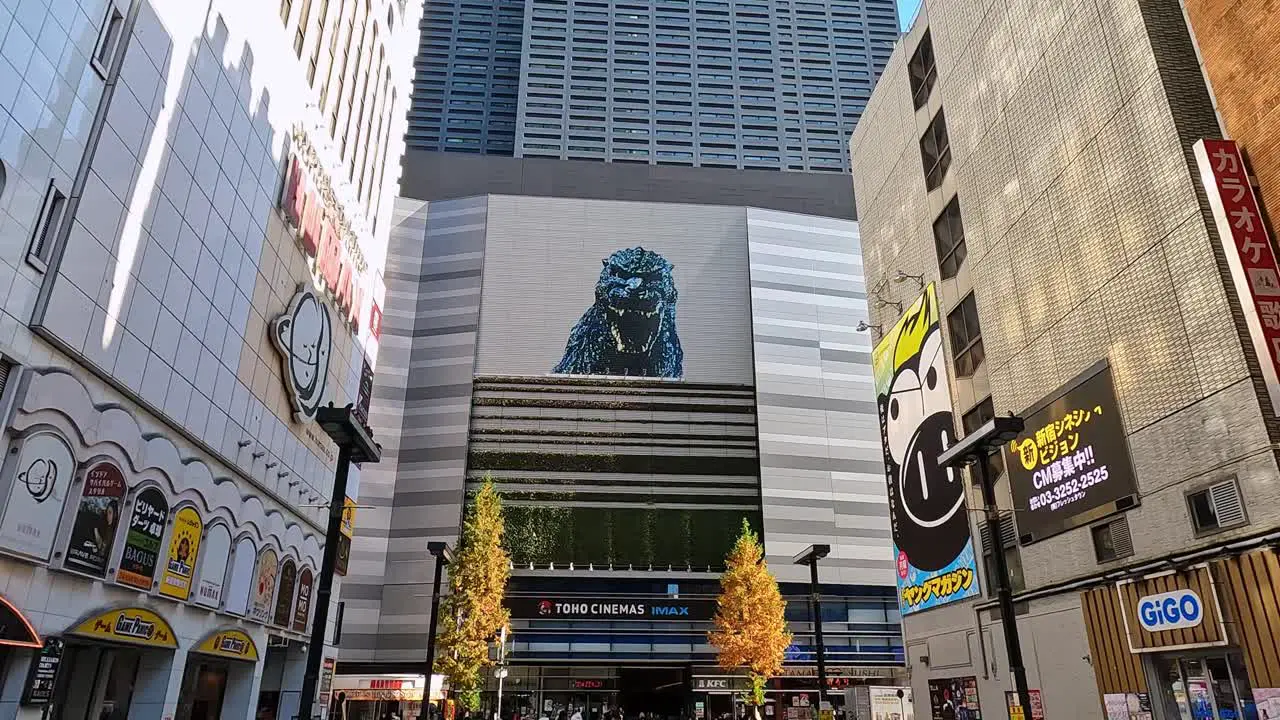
(1071,464)
(610,608)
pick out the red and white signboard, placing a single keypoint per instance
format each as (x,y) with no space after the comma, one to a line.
(318,228)
(1254,269)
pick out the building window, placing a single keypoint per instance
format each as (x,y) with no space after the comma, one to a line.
(314,61)
(966,337)
(976,418)
(935,152)
(1217,507)
(1111,540)
(948,238)
(46,232)
(108,40)
(922,72)
(1012,557)
(300,35)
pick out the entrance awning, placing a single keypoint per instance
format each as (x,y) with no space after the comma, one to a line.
(130,625)
(15,629)
(228,643)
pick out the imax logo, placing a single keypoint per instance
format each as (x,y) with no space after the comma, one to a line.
(671,610)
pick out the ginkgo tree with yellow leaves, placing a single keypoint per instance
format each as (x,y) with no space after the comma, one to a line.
(750,624)
(473,614)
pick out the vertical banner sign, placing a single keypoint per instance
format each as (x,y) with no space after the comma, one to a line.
(43,474)
(213,566)
(344,538)
(932,548)
(97,519)
(1247,245)
(42,676)
(264,586)
(142,542)
(284,598)
(375,322)
(184,547)
(365,391)
(302,609)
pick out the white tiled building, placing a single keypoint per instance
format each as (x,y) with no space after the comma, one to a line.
(167,329)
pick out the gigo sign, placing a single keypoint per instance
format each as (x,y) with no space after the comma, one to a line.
(1170,611)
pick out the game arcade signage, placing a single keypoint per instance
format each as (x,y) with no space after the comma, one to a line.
(1071,465)
(323,230)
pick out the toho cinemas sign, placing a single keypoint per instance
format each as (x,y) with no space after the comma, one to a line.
(323,230)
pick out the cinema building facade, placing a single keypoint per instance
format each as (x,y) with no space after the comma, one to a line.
(637,378)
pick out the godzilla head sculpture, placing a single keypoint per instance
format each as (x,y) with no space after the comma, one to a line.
(631,328)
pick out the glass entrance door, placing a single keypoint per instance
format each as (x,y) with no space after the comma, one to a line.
(1205,687)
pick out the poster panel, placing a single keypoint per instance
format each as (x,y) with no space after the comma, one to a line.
(284,597)
(954,699)
(264,586)
(302,608)
(891,703)
(213,566)
(1071,463)
(240,579)
(44,471)
(932,547)
(97,519)
(184,548)
(142,541)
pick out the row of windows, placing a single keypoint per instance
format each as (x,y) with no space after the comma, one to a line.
(363,141)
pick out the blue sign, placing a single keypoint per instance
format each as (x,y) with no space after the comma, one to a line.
(1175,610)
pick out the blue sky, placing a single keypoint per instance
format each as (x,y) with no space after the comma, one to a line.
(907,12)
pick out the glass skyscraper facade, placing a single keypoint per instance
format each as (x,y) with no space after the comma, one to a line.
(768,84)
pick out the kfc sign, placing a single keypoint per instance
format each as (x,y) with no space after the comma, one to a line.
(323,231)
(1247,245)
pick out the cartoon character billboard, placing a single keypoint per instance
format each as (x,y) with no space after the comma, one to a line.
(932,546)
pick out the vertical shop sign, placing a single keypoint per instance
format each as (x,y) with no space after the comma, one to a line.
(344,538)
(213,566)
(933,551)
(284,597)
(1247,246)
(184,547)
(43,474)
(97,519)
(955,699)
(142,541)
(302,608)
(365,391)
(264,586)
(42,675)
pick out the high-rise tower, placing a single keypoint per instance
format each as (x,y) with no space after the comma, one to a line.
(764,84)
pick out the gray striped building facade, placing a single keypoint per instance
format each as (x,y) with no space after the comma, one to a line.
(621,480)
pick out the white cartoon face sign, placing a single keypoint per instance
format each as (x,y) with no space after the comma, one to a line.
(303,335)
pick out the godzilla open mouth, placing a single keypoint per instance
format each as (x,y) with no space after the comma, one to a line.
(634,331)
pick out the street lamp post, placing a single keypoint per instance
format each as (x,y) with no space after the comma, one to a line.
(443,556)
(976,448)
(355,445)
(810,556)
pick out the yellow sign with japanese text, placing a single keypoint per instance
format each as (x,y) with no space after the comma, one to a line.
(132,625)
(348,517)
(184,547)
(229,643)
